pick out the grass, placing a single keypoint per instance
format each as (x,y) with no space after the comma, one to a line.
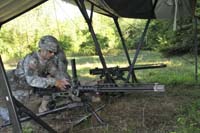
(176,110)
(179,70)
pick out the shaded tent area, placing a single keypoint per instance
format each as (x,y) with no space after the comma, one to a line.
(144,9)
(141,9)
(10,9)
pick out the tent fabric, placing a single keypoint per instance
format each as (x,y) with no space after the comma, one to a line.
(165,9)
(100,7)
(132,8)
(9,9)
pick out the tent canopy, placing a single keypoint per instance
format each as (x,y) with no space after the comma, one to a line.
(165,9)
(10,9)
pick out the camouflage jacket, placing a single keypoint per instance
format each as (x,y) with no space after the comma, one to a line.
(61,61)
(39,73)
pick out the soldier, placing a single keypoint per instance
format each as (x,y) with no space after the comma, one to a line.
(39,70)
(60,60)
(44,69)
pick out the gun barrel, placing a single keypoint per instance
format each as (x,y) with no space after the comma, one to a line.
(114,88)
(97,71)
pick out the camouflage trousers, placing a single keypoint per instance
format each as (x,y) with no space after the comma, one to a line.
(23,92)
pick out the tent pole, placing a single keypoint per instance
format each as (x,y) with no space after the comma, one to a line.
(140,43)
(124,47)
(82,8)
(138,49)
(7,95)
(196,48)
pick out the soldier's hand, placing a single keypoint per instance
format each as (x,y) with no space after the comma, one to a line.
(62,84)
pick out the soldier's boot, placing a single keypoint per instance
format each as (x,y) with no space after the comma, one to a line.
(43,106)
(4,114)
(96,98)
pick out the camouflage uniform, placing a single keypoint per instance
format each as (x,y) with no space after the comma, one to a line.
(61,62)
(33,72)
(37,73)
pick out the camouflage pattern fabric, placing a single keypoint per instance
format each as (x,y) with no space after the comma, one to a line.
(61,62)
(36,72)
(32,72)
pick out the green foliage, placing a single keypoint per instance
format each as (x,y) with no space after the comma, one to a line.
(21,35)
(4,42)
(105,26)
(159,35)
(88,47)
(14,43)
(197,11)
(65,42)
(28,130)
(182,41)
(132,32)
(188,121)
(179,70)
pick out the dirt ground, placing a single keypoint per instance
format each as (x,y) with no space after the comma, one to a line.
(128,113)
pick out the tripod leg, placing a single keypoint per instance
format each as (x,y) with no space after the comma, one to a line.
(90,108)
(33,116)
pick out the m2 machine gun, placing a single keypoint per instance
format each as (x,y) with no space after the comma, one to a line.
(101,87)
(110,87)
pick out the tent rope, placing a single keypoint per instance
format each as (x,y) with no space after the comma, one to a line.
(70,19)
(57,24)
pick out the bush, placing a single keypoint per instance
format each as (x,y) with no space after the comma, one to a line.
(182,41)
(65,42)
(88,47)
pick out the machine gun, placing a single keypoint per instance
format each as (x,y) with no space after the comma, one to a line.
(77,89)
(60,98)
(110,87)
(118,72)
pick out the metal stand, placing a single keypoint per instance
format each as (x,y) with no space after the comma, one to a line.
(138,50)
(7,95)
(140,44)
(82,8)
(134,79)
(68,106)
(108,76)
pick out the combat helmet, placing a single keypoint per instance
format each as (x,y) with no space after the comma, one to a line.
(49,42)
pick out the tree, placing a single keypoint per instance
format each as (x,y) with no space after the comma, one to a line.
(88,47)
